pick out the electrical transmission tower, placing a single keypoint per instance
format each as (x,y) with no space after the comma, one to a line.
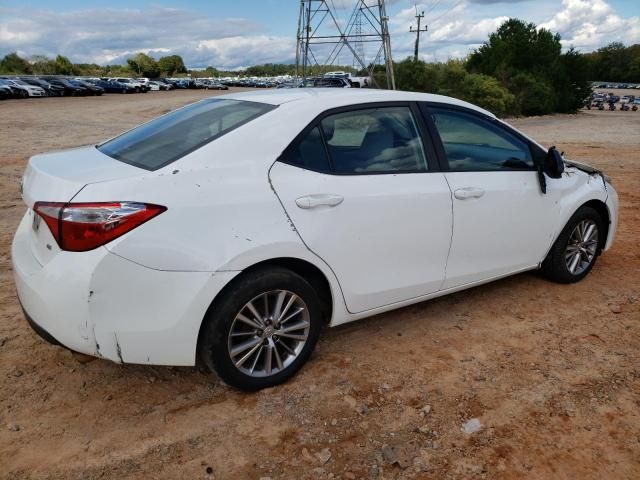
(417,32)
(358,45)
(322,38)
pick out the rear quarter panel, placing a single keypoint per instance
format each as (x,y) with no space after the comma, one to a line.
(220,203)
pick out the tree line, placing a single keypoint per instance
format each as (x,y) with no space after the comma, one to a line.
(519,70)
(141,65)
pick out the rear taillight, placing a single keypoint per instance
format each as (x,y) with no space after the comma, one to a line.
(78,227)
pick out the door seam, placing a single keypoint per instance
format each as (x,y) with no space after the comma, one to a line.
(446,263)
(295,229)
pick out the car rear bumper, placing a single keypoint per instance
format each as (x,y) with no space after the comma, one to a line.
(101,304)
(42,333)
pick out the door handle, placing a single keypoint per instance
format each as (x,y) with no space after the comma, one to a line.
(313,201)
(468,192)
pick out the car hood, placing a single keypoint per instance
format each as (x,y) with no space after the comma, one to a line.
(582,166)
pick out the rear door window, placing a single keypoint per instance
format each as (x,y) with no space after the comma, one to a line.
(309,153)
(374,140)
(166,139)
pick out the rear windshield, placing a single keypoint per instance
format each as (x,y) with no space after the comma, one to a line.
(172,136)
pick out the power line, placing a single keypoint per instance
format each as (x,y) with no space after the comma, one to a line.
(435,4)
(446,11)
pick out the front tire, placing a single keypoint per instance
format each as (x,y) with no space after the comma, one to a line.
(576,250)
(262,329)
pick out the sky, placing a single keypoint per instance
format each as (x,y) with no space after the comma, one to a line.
(232,34)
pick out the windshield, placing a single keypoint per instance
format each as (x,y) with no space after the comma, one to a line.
(166,139)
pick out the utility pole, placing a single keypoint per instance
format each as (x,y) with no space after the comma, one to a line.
(417,32)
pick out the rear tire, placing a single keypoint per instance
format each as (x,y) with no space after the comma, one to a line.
(247,339)
(576,250)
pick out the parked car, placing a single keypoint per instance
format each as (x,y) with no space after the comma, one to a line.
(68,88)
(627,99)
(331,83)
(5,92)
(158,85)
(92,89)
(137,86)
(154,87)
(28,89)
(16,91)
(168,81)
(166,85)
(216,86)
(231,230)
(115,87)
(51,90)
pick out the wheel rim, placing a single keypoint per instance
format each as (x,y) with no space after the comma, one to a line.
(268,333)
(582,247)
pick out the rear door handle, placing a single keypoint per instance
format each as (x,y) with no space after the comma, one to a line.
(468,192)
(313,201)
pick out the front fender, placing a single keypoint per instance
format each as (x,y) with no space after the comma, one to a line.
(573,190)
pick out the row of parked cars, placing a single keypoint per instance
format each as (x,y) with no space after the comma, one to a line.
(58,86)
(627,102)
(617,85)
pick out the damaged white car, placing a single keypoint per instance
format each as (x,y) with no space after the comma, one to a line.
(228,232)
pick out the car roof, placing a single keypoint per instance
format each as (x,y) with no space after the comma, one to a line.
(339,97)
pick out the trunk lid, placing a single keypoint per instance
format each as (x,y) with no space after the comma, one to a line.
(58,177)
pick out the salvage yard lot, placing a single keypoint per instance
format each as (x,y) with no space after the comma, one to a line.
(551,371)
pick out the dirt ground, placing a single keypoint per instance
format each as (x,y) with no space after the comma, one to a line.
(552,372)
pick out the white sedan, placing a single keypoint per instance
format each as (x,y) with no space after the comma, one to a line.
(30,90)
(229,231)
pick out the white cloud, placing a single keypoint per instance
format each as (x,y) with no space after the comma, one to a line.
(111,35)
(589,24)
(454,33)
(454,29)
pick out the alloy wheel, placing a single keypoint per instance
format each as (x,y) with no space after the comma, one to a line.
(268,333)
(582,247)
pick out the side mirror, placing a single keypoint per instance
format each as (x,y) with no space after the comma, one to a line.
(553,163)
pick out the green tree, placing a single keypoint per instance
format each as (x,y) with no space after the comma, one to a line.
(42,65)
(570,81)
(486,92)
(143,65)
(452,79)
(63,66)
(171,65)
(615,62)
(271,70)
(416,76)
(12,63)
(533,95)
(529,62)
(211,72)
